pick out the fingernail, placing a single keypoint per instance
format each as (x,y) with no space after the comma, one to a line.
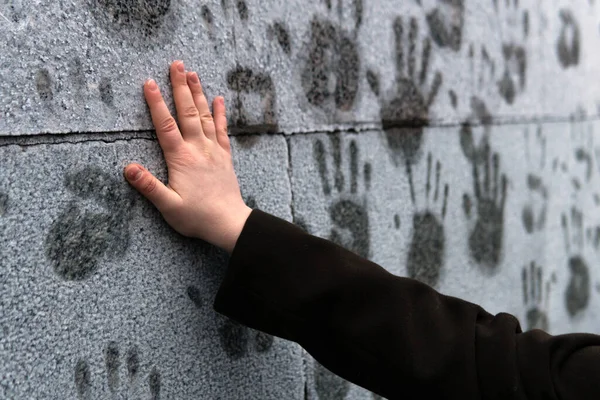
(194,77)
(180,67)
(134,173)
(222,101)
(152,84)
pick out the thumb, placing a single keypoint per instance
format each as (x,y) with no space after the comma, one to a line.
(150,187)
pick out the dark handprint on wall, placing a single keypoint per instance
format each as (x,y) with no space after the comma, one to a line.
(446,23)
(113,360)
(405,112)
(328,385)
(514,54)
(426,254)
(254,89)
(330,75)
(577,294)
(487,235)
(235,338)
(348,210)
(144,17)
(246,81)
(92,226)
(569,41)
(535,297)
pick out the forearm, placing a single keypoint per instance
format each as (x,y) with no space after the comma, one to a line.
(392,335)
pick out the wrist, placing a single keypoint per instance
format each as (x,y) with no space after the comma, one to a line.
(234,228)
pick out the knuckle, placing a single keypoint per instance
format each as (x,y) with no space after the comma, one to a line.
(190,112)
(149,186)
(222,129)
(167,124)
(206,117)
(197,89)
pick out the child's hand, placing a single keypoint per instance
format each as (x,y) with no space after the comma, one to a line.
(203,198)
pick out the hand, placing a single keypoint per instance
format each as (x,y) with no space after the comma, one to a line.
(203,198)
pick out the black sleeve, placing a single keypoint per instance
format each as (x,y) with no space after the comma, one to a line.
(394,336)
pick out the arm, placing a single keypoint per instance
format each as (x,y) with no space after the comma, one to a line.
(394,336)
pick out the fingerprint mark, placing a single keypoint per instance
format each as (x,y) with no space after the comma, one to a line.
(242,8)
(133,363)
(106,92)
(234,339)
(368,171)
(111,358)
(320,156)
(3,204)
(43,83)
(207,16)
(283,37)
(82,379)
(264,342)
(373,80)
(154,384)
(194,294)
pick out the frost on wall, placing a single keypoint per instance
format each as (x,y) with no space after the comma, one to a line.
(450,141)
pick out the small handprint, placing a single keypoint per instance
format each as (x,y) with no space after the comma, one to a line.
(236,338)
(348,209)
(246,82)
(485,241)
(330,75)
(328,385)
(95,225)
(112,359)
(426,254)
(405,112)
(535,297)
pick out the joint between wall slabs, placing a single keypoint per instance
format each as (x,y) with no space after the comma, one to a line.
(289,171)
(130,135)
(75,138)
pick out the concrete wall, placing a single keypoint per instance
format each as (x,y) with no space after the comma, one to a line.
(451,141)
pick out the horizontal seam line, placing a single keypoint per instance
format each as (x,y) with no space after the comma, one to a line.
(129,135)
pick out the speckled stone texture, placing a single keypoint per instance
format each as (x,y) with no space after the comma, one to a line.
(505,218)
(101,298)
(452,141)
(78,66)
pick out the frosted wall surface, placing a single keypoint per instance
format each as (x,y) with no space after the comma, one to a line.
(450,141)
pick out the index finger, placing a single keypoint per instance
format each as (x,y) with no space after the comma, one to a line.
(167,130)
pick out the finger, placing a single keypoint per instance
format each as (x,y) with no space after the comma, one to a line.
(187,113)
(150,187)
(206,118)
(167,131)
(221,122)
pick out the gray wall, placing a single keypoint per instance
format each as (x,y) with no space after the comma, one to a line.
(446,140)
